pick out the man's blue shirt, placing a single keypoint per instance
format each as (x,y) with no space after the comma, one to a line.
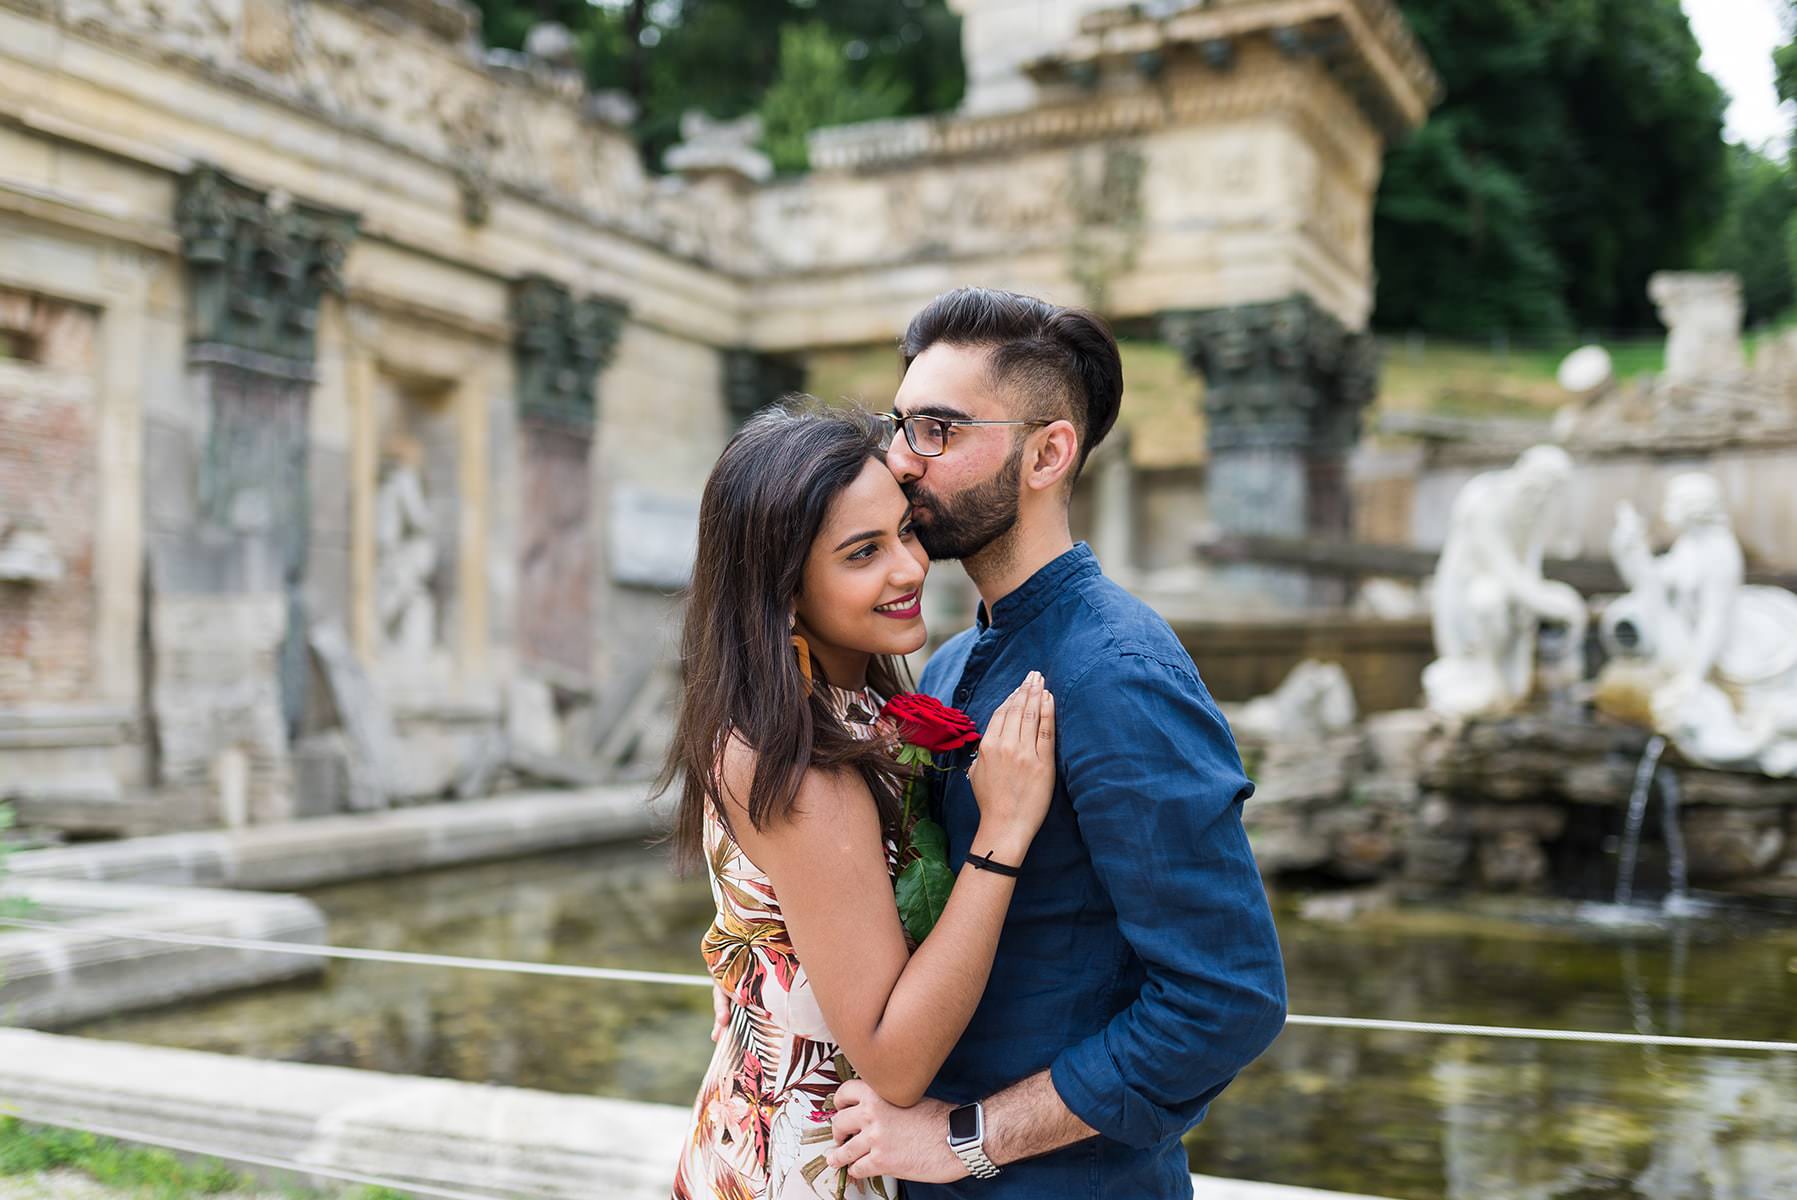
(1138,960)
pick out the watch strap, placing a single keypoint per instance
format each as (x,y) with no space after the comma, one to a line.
(972,1151)
(973,1156)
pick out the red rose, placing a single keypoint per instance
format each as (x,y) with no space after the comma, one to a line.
(927,722)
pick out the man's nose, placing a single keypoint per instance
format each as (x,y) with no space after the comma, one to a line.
(904,465)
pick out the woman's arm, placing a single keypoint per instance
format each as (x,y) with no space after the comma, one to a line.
(897,1015)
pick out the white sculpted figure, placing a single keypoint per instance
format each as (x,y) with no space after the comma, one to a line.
(1702,314)
(1490,594)
(1717,659)
(405,535)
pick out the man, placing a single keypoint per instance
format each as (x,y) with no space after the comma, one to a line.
(1138,970)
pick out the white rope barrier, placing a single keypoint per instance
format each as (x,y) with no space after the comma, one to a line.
(1543,1035)
(168,1143)
(616,974)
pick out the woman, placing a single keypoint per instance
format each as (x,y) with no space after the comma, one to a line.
(805,592)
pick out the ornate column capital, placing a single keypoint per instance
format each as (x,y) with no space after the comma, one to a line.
(560,344)
(258,263)
(1280,375)
(753,380)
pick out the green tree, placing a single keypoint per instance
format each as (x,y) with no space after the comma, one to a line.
(1784,60)
(892,57)
(1751,238)
(1578,150)
(813,90)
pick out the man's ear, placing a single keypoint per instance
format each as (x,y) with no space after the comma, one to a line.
(1052,462)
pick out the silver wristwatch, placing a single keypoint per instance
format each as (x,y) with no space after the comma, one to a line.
(967,1138)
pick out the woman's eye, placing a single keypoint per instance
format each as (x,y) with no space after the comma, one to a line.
(863,553)
(908,531)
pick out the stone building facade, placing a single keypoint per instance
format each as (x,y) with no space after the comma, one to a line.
(357,383)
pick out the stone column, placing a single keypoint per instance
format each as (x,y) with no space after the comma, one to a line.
(1113,507)
(1285,384)
(561,344)
(230,572)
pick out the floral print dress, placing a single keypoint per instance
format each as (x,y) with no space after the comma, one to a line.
(761,1123)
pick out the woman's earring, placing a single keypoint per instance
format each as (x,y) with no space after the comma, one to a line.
(803,648)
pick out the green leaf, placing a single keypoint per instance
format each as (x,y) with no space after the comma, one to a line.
(929,840)
(911,755)
(922,893)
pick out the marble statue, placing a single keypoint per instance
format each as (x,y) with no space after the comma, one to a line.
(1702,313)
(1314,701)
(405,539)
(1710,661)
(1490,595)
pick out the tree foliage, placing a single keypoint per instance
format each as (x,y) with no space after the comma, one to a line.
(822,61)
(813,89)
(1578,150)
(1753,237)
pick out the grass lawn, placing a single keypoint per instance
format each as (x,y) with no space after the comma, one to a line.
(36,1160)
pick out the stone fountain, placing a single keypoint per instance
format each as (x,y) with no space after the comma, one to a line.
(1553,715)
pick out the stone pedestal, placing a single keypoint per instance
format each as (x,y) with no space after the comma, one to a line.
(1285,384)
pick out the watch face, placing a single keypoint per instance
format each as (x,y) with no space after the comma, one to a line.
(964,1123)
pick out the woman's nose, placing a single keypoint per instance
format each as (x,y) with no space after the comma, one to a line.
(910,567)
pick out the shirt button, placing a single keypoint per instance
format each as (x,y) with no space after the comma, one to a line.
(962,696)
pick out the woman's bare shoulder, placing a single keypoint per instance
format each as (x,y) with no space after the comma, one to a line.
(822,793)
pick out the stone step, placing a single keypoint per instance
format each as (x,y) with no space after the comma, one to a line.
(478,1137)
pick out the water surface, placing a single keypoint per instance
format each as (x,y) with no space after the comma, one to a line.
(1383,1114)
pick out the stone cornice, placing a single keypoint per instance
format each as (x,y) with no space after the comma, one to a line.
(1184,97)
(1365,44)
(453,20)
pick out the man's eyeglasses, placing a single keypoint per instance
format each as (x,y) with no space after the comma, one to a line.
(928,436)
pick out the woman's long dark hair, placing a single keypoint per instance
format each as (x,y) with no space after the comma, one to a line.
(763,507)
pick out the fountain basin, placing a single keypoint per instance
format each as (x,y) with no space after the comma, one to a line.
(61,976)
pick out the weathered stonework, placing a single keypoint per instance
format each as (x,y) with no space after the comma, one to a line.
(183,174)
(1285,386)
(561,346)
(753,380)
(49,493)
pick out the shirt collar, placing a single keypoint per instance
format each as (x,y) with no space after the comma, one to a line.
(1017,607)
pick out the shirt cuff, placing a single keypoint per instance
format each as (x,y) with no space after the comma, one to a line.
(1093,1089)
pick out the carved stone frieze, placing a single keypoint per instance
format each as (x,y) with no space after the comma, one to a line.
(560,346)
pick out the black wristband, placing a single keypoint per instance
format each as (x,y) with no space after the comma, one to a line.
(986,862)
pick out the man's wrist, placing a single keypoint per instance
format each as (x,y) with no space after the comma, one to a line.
(967,1135)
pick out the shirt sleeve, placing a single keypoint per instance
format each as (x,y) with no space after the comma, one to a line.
(1157,787)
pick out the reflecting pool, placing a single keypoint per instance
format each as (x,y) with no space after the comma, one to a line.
(1383,1114)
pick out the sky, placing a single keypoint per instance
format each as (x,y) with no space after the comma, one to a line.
(1737,37)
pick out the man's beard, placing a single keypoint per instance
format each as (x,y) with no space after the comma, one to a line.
(961,528)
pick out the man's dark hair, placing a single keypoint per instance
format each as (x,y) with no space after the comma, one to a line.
(1061,362)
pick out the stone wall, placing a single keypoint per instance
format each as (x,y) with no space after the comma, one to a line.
(313,241)
(49,499)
